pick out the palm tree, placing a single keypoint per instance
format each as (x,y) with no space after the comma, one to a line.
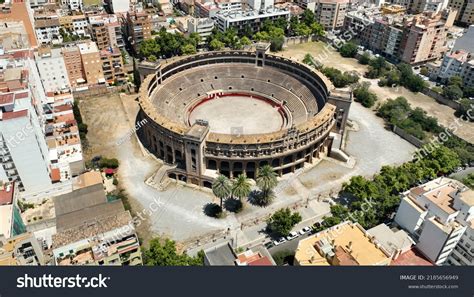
(221,187)
(266,180)
(241,187)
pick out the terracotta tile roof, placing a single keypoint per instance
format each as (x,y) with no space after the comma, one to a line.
(6,197)
(411,258)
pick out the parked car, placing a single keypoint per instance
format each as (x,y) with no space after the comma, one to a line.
(279,241)
(292,235)
(269,245)
(305,230)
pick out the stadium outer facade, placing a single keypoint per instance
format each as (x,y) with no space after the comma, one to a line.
(196,155)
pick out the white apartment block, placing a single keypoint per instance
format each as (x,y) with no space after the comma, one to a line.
(452,64)
(230,5)
(463,253)
(80,26)
(436,215)
(52,69)
(119,6)
(260,4)
(47,31)
(73,4)
(248,18)
(202,26)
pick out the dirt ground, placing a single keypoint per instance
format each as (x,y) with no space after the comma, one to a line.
(330,58)
(107,123)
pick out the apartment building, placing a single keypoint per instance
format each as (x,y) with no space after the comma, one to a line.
(205,9)
(248,19)
(202,26)
(106,31)
(138,28)
(410,39)
(425,37)
(74,68)
(435,214)
(465,10)
(118,6)
(234,5)
(73,4)
(112,66)
(107,240)
(75,24)
(52,69)
(91,63)
(11,223)
(346,244)
(23,149)
(467,73)
(47,31)
(22,250)
(331,13)
(452,64)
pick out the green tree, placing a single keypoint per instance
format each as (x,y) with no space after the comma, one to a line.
(222,188)
(216,45)
(469,180)
(303,30)
(282,221)
(241,187)
(364,59)
(317,29)
(364,96)
(266,180)
(455,80)
(453,92)
(188,49)
(348,50)
(149,47)
(162,252)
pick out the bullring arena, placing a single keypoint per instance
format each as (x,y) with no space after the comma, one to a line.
(230,112)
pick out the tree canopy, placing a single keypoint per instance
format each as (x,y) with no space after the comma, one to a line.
(162,252)
(282,221)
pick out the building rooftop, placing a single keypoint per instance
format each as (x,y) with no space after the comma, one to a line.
(6,193)
(441,192)
(79,199)
(88,47)
(221,255)
(87,179)
(411,258)
(392,240)
(92,228)
(344,244)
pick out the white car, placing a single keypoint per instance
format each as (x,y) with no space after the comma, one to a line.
(292,235)
(305,230)
(279,241)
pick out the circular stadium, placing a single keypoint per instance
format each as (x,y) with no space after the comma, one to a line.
(231,112)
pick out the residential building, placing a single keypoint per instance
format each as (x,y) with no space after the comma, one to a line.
(331,13)
(74,67)
(452,64)
(346,244)
(112,66)
(220,255)
(106,31)
(465,9)
(52,69)
(463,253)
(138,28)
(205,9)
(118,6)
(202,26)
(91,63)
(467,73)
(73,4)
(47,31)
(256,256)
(104,240)
(233,5)
(425,37)
(248,19)
(75,25)
(260,4)
(22,250)
(435,214)
(19,11)
(22,144)
(11,223)
(466,41)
